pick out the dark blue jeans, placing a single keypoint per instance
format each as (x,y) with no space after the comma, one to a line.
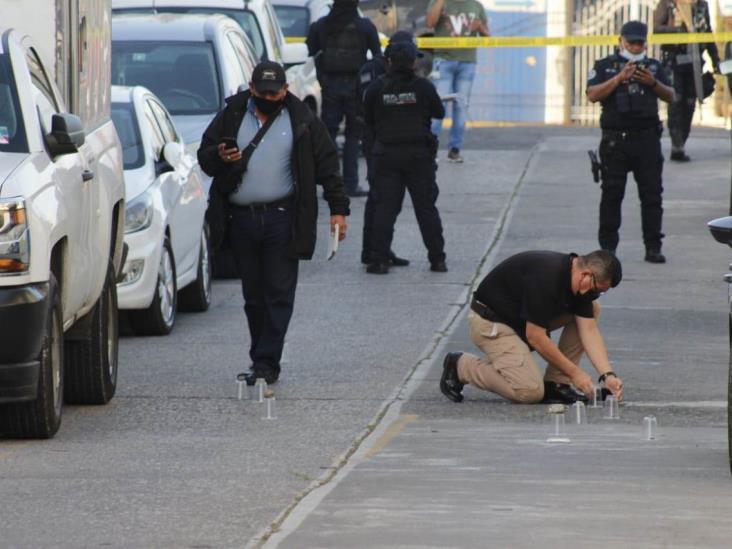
(259,241)
(340,99)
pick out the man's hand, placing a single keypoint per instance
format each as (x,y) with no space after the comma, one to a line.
(339,220)
(477,26)
(583,382)
(644,76)
(615,384)
(228,155)
(626,73)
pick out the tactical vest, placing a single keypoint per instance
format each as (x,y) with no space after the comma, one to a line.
(633,97)
(399,117)
(344,52)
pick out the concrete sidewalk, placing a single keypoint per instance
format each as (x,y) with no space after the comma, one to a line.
(481,474)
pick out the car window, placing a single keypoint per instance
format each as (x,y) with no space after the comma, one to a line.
(125,122)
(246,19)
(164,121)
(294,20)
(12,132)
(230,60)
(158,141)
(183,75)
(42,90)
(244,55)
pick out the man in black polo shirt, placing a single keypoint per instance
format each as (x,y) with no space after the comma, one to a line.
(512,313)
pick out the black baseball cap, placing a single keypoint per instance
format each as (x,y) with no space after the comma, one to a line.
(268,76)
(634,30)
(402,41)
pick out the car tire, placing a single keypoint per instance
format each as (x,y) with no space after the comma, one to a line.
(159,317)
(196,297)
(91,359)
(41,418)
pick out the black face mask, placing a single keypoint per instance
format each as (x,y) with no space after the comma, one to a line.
(266,106)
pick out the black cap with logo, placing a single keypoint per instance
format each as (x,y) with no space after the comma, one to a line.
(268,76)
(634,31)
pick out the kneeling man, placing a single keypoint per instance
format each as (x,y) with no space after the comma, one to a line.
(514,310)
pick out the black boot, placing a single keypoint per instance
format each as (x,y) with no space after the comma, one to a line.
(654,255)
(378,267)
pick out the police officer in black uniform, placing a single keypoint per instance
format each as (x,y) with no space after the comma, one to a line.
(372,70)
(678,60)
(629,84)
(398,109)
(339,43)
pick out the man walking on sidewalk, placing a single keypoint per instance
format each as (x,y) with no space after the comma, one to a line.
(456,67)
(513,311)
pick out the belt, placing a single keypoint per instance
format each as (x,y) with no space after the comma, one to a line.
(282,204)
(628,135)
(483,311)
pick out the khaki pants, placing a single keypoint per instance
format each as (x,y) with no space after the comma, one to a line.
(508,368)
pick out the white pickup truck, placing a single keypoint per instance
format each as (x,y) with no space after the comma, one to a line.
(61,212)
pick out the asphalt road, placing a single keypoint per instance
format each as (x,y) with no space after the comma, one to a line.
(176,460)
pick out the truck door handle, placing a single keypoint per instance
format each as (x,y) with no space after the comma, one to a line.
(87,175)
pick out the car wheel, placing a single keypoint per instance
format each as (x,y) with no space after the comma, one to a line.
(159,317)
(91,357)
(196,297)
(41,418)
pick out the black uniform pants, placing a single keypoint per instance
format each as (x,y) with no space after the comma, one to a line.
(260,242)
(396,171)
(641,155)
(340,100)
(681,110)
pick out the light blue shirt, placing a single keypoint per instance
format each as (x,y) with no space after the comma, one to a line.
(269,175)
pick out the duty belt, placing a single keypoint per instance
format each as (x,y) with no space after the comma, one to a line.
(284,203)
(630,135)
(484,311)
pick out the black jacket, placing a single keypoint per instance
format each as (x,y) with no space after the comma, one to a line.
(314,160)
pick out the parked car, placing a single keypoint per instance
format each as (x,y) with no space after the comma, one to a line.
(61,211)
(191,62)
(721,230)
(167,265)
(259,21)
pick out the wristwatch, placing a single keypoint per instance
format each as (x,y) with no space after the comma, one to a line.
(605,375)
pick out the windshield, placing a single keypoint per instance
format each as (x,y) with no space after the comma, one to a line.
(294,20)
(125,122)
(246,19)
(12,134)
(182,74)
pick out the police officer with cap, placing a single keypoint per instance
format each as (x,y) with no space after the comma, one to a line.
(628,84)
(398,109)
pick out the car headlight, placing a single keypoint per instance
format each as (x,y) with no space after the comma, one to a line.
(138,213)
(14,237)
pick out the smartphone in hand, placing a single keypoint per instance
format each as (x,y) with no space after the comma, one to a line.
(230,142)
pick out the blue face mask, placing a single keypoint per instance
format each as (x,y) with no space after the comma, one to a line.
(635,57)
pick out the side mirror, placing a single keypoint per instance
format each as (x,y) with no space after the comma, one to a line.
(169,159)
(721,230)
(67,134)
(294,54)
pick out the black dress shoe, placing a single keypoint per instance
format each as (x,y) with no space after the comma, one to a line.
(378,268)
(450,382)
(680,156)
(270,375)
(654,256)
(438,266)
(357,192)
(561,393)
(397,261)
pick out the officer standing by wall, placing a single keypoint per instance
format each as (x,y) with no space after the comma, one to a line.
(679,60)
(398,109)
(628,84)
(339,42)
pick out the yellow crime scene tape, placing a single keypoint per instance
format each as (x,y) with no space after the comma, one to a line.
(561,41)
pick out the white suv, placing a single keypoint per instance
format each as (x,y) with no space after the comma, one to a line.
(258,19)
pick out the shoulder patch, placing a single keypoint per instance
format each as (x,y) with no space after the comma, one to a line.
(591,74)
